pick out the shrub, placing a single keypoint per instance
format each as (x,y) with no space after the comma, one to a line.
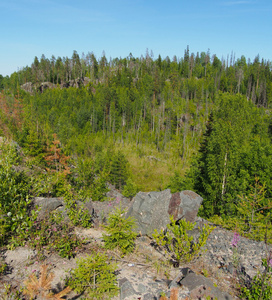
(94,276)
(120,232)
(53,234)
(14,187)
(178,244)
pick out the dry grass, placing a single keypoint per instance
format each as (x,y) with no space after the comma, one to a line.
(151,169)
(41,286)
(173,295)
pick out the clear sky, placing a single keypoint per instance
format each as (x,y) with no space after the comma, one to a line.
(31,28)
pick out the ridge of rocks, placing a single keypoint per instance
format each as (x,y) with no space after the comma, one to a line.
(143,275)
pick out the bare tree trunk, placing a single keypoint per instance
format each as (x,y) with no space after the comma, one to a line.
(224,177)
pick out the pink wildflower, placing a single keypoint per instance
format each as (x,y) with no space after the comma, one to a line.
(235,240)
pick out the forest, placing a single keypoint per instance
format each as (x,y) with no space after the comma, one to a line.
(143,124)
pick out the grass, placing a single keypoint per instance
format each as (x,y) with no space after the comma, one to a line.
(151,170)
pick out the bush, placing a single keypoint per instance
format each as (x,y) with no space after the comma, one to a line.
(14,187)
(94,276)
(120,232)
(53,234)
(178,244)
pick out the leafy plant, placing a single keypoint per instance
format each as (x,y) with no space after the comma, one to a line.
(94,276)
(14,187)
(178,245)
(53,234)
(78,215)
(120,232)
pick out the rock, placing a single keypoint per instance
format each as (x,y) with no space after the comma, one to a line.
(103,209)
(149,297)
(200,287)
(126,289)
(45,85)
(28,87)
(244,260)
(47,205)
(152,210)
(176,281)
(78,82)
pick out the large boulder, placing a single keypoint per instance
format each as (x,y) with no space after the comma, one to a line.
(152,210)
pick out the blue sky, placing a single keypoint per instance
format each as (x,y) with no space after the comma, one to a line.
(31,28)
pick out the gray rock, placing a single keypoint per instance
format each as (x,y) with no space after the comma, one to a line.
(126,289)
(28,87)
(141,288)
(152,210)
(176,281)
(149,297)
(200,287)
(47,205)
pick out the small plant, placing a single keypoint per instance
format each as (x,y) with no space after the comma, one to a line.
(94,276)
(3,268)
(205,272)
(9,293)
(41,286)
(178,244)
(120,232)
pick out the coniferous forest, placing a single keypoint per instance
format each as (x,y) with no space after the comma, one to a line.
(196,122)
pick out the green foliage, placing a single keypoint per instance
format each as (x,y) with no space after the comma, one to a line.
(261,285)
(118,168)
(176,183)
(3,267)
(78,215)
(14,187)
(177,242)
(120,232)
(52,234)
(229,156)
(95,277)
(253,218)
(88,182)
(130,189)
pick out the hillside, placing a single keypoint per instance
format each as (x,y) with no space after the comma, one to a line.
(72,127)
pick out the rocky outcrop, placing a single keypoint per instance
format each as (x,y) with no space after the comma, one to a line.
(152,210)
(28,87)
(49,205)
(187,283)
(42,87)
